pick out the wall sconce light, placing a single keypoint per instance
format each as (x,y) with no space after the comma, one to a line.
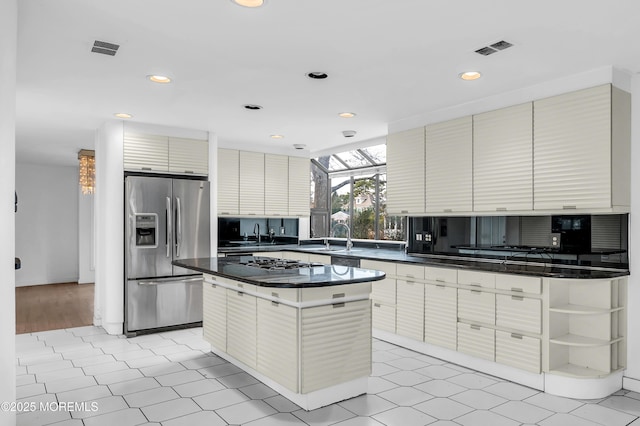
(87,171)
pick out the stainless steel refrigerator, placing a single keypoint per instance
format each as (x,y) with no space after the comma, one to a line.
(165,219)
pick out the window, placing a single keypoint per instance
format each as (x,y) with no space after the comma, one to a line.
(354,183)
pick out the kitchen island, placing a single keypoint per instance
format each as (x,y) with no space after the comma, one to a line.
(303,329)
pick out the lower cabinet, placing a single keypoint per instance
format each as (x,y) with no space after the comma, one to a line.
(383,316)
(410,309)
(241,327)
(477,306)
(214,321)
(441,315)
(518,351)
(278,342)
(519,312)
(476,340)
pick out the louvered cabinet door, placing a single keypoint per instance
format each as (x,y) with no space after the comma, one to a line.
(519,313)
(278,343)
(503,159)
(405,172)
(410,309)
(241,327)
(214,321)
(251,183)
(572,150)
(189,156)
(299,186)
(441,315)
(228,181)
(336,344)
(147,153)
(276,185)
(449,166)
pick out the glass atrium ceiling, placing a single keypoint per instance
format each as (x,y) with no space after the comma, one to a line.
(357,159)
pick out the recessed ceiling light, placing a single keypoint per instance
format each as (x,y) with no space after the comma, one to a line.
(252,107)
(470,75)
(162,79)
(123,115)
(249,3)
(347,114)
(317,75)
(277,137)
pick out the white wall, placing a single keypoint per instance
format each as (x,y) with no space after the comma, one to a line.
(47,224)
(8,48)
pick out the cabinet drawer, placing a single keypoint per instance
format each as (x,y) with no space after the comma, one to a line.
(479,279)
(410,271)
(386,267)
(384,291)
(520,313)
(320,258)
(518,351)
(477,341)
(441,275)
(518,283)
(477,306)
(384,317)
(334,292)
(290,294)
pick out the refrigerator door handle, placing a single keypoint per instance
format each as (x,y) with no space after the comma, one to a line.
(169,232)
(169,281)
(178,226)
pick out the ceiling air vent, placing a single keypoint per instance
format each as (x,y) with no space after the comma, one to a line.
(493,48)
(104,48)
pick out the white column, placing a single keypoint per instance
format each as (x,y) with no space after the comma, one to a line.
(86,237)
(8,49)
(213,179)
(109,213)
(632,375)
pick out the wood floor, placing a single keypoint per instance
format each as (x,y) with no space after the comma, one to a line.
(53,306)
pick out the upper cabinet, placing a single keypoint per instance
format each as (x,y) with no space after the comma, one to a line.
(581,151)
(253,183)
(163,154)
(299,186)
(228,181)
(449,166)
(568,153)
(503,159)
(405,172)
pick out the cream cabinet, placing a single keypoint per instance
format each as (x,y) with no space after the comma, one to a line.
(581,151)
(251,183)
(228,182)
(519,351)
(276,185)
(476,340)
(383,295)
(406,172)
(163,154)
(277,342)
(214,321)
(449,166)
(440,315)
(241,326)
(410,301)
(299,186)
(503,160)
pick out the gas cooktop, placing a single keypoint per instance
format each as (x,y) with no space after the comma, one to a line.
(273,264)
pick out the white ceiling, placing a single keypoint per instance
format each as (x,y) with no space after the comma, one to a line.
(386,60)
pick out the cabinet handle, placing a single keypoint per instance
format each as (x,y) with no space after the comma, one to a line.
(404,211)
(475,327)
(476,291)
(377,305)
(501,209)
(337,295)
(276,304)
(224,212)
(338,305)
(569,207)
(520,298)
(516,336)
(440,280)
(517,289)
(189,171)
(440,285)
(239,293)
(274,294)
(475,284)
(147,168)
(447,210)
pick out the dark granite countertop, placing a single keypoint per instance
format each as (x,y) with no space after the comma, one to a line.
(477,263)
(233,267)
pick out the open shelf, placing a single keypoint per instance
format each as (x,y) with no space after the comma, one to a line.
(573,370)
(582,310)
(582,341)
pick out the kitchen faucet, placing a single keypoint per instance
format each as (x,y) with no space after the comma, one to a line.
(257,234)
(333,234)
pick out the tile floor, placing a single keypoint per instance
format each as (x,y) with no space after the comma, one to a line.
(172,379)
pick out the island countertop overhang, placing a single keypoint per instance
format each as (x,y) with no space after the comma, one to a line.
(235,268)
